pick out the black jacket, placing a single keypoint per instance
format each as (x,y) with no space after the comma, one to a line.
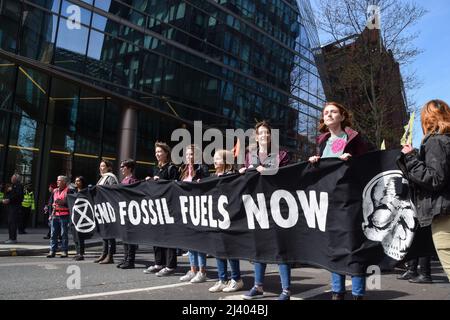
(428,172)
(167,172)
(15,195)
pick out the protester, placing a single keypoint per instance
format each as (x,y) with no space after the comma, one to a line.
(192,171)
(165,258)
(48,209)
(12,200)
(127,169)
(107,179)
(339,140)
(262,158)
(79,237)
(223,164)
(428,172)
(60,218)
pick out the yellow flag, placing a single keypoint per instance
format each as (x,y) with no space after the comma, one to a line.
(383,146)
(408,135)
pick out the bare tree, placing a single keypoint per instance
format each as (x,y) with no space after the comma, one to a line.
(369,71)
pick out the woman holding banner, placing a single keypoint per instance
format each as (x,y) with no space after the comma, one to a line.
(262,158)
(107,179)
(165,258)
(428,171)
(78,237)
(223,163)
(127,168)
(191,171)
(338,140)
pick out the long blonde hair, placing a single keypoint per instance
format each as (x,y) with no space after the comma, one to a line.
(184,169)
(227,159)
(435,117)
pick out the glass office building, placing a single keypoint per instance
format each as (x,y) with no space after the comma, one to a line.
(92,79)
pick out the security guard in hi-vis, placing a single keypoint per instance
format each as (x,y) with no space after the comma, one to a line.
(28,205)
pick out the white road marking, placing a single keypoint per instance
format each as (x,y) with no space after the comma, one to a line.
(40,264)
(113,293)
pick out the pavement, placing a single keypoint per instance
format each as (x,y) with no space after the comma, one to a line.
(33,243)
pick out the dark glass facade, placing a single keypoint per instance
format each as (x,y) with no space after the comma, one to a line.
(70,69)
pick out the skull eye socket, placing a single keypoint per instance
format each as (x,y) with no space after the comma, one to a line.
(382,217)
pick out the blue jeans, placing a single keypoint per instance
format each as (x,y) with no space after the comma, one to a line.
(59,225)
(338,284)
(197,259)
(223,272)
(285,274)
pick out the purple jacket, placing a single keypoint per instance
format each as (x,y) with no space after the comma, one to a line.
(356,146)
(129,180)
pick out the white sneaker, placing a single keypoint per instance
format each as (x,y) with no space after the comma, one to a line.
(234,286)
(153,269)
(188,276)
(199,277)
(165,272)
(219,286)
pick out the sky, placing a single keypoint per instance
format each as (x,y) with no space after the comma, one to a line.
(432,67)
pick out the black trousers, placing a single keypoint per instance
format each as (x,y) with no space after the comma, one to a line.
(129,252)
(421,265)
(165,257)
(13,216)
(24,216)
(109,246)
(79,239)
(80,246)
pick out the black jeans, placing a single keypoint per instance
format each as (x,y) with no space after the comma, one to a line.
(109,246)
(129,252)
(165,257)
(23,220)
(13,216)
(80,246)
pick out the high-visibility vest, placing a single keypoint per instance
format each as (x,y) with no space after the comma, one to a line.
(60,210)
(2,196)
(28,200)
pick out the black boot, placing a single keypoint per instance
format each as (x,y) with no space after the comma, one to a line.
(421,278)
(411,270)
(129,264)
(424,271)
(125,256)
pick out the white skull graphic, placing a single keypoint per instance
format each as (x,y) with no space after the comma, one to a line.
(388,213)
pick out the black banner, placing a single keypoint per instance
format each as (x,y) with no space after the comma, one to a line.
(342,216)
